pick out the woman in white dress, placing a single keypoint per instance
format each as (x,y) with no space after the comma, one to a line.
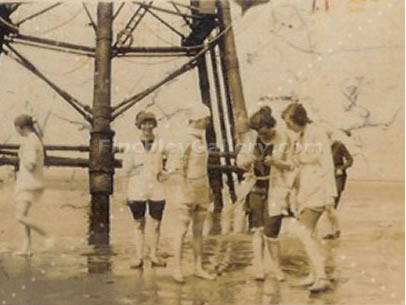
(142,166)
(30,180)
(315,186)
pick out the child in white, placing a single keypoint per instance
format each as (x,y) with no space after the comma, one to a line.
(30,180)
(189,171)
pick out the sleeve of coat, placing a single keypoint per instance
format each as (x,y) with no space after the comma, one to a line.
(312,150)
(128,163)
(349,160)
(282,152)
(245,157)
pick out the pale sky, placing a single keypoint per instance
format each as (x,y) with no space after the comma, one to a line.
(283,49)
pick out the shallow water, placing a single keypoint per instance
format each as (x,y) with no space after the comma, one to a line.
(366,264)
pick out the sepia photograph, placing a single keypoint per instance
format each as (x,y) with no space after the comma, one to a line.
(202,152)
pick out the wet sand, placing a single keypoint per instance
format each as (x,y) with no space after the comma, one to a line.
(366,264)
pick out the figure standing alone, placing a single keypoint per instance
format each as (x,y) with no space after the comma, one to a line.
(142,167)
(188,168)
(30,181)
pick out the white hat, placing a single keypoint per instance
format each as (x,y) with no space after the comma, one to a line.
(198,111)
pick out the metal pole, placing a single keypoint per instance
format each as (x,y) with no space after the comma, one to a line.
(38,13)
(167,11)
(219,98)
(83,109)
(101,167)
(232,69)
(54,43)
(205,95)
(230,181)
(214,175)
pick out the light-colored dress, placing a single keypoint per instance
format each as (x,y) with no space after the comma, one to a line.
(30,177)
(142,167)
(279,180)
(188,165)
(315,182)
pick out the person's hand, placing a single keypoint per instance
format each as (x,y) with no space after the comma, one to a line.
(163,175)
(285,166)
(245,162)
(290,166)
(31,166)
(269,161)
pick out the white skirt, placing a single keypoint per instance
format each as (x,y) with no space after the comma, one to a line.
(30,196)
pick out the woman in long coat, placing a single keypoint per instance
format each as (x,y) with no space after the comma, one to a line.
(266,160)
(315,186)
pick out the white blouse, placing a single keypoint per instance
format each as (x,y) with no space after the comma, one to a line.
(30,176)
(142,168)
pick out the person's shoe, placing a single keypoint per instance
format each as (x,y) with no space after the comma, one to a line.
(204,274)
(279,275)
(330,236)
(137,264)
(259,272)
(23,252)
(259,275)
(178,277)
(157,262)
(320,285)
(307,281)
(49,243)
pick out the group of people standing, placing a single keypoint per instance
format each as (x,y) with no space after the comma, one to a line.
(186,166)
(292,176)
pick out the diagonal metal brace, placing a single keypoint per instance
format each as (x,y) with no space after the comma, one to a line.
(128,103)
(83,109)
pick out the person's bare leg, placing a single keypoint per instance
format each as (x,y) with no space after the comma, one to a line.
(274,253)
(321,280)
(306,225)
(139,242)
(332,217)
(22,208)
(258,251)
(23,218)
(28,221)
(197,227)
(183,224)
(155,234)
(312,252)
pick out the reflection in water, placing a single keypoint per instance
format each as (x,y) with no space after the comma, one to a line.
(62,274)
(271,293)
(99,260)
(328,297)
(229,256)
(99,220)
(226,254)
